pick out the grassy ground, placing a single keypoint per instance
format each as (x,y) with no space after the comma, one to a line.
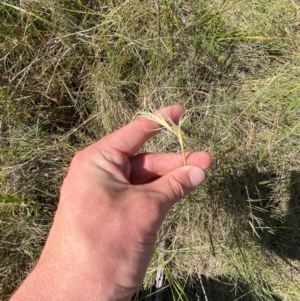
(74,71)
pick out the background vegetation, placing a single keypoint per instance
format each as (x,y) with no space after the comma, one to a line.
(74,71)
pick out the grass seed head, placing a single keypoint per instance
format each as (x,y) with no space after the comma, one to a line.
(170,125)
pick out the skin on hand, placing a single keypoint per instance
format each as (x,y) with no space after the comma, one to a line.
(109,213)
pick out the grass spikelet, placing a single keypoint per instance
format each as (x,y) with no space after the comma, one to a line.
(168,124)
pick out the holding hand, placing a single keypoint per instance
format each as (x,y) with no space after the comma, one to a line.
(109,213)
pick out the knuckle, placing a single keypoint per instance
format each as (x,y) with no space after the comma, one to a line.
(82,157)
(78,158)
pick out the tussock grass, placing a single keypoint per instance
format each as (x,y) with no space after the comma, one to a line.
(74,71)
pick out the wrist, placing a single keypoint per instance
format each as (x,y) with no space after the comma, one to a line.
(47,282)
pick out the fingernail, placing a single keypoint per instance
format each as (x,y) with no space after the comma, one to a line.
(196,176)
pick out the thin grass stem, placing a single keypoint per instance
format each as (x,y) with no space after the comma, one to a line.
(168,124)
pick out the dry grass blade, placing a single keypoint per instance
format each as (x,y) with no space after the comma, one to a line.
(168,124)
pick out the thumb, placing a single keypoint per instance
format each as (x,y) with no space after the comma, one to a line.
(178,183)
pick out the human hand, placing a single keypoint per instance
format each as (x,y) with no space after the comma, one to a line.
(106,225)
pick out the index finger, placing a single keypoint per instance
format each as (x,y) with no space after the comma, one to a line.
(130,138)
